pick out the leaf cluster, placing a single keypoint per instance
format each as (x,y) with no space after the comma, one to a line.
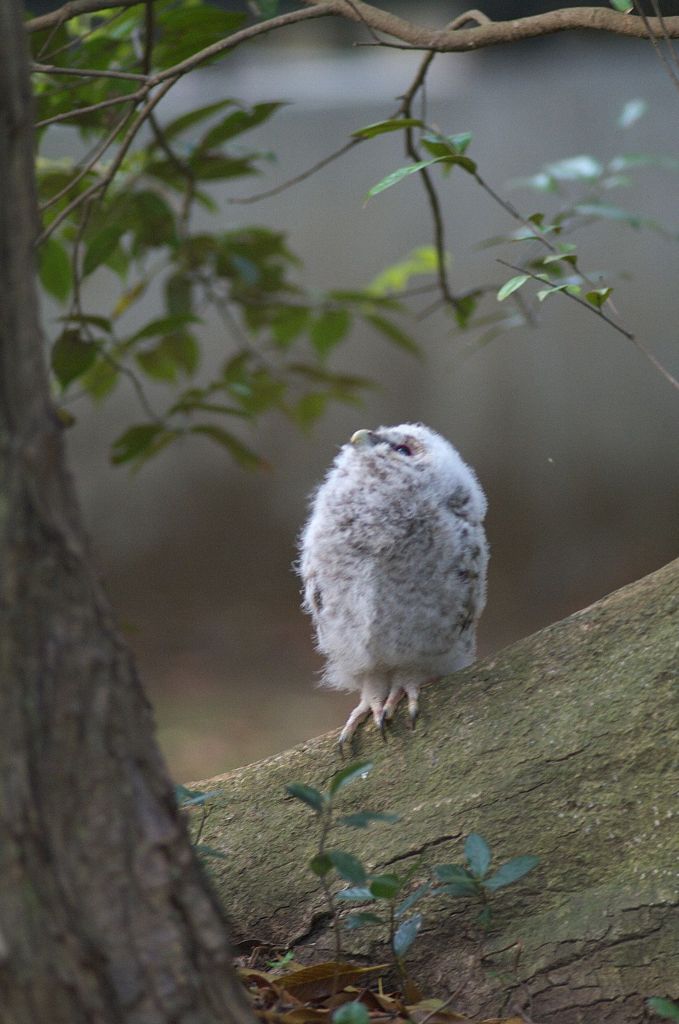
(390,897)
(125,212)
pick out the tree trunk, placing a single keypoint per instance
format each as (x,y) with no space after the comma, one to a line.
(104,914)
(565,745)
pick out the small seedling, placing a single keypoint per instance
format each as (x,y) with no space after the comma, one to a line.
(326,861)
(473,880)
(188,799)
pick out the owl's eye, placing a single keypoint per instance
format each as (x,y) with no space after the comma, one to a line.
(402,449)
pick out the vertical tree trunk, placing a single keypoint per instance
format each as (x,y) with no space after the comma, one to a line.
(104,915)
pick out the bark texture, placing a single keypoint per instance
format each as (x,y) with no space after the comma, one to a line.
(104,915)
(565,745)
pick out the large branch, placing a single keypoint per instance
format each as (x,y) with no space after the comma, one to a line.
(488,33)
(564,745)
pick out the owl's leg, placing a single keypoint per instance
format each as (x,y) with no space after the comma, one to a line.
(373,692)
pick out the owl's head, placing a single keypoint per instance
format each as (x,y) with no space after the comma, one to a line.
(414,452)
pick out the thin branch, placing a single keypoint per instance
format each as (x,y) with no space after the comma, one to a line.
(102,185)
(317,10)
(56,69)
(299,177)
(448,40)
(576,298)
(656,41)
(67,115)
(600,313)
(73,9)
(91,161)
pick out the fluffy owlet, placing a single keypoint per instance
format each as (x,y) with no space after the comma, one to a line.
(393,559)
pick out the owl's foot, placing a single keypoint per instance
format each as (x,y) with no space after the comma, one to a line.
(394,699)
(358,715)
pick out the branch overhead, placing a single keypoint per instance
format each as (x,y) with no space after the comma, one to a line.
(419,37)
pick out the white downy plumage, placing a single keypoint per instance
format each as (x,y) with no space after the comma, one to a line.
(394,559)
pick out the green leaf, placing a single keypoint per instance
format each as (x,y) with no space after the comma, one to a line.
(611,213)
(236,123)
(478,854)
(415,897)
(348,866)
(512,285)
(569,288)
(100,379)
(633,109)
(406,934)
(575,168)
(266,8)
(180,124)
(179,294)
(72,355)
(307,794)
(320,864)
(243,455)
(511,872)
(100,247)
(185,30)
(351,1013)
(624,6)
(355,894)
(394,333)
(402,172)
(360,918)
(392,125)
(136,441)
(447,145)
(288,323)
(56,274)
(210,851)
(385,887)
(364,818)
(423,260)
(157,363)
(183,349)
(209,167)
(664,1008)
(598,296)
(163,325)
(465,309)
(329,329)
(154,220)
(192,797)
(349,774)
(458,880)
(102,322)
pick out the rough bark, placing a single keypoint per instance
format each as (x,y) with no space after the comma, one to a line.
(104,915)
(565,745)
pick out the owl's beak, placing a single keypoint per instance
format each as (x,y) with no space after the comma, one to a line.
(364,438)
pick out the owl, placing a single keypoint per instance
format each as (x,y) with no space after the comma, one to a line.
(393,559)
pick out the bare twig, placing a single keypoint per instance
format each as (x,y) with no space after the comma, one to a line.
(299,177)
(656,40)
(68,115)
(56,69)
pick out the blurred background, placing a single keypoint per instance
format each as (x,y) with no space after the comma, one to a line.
(573,434)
